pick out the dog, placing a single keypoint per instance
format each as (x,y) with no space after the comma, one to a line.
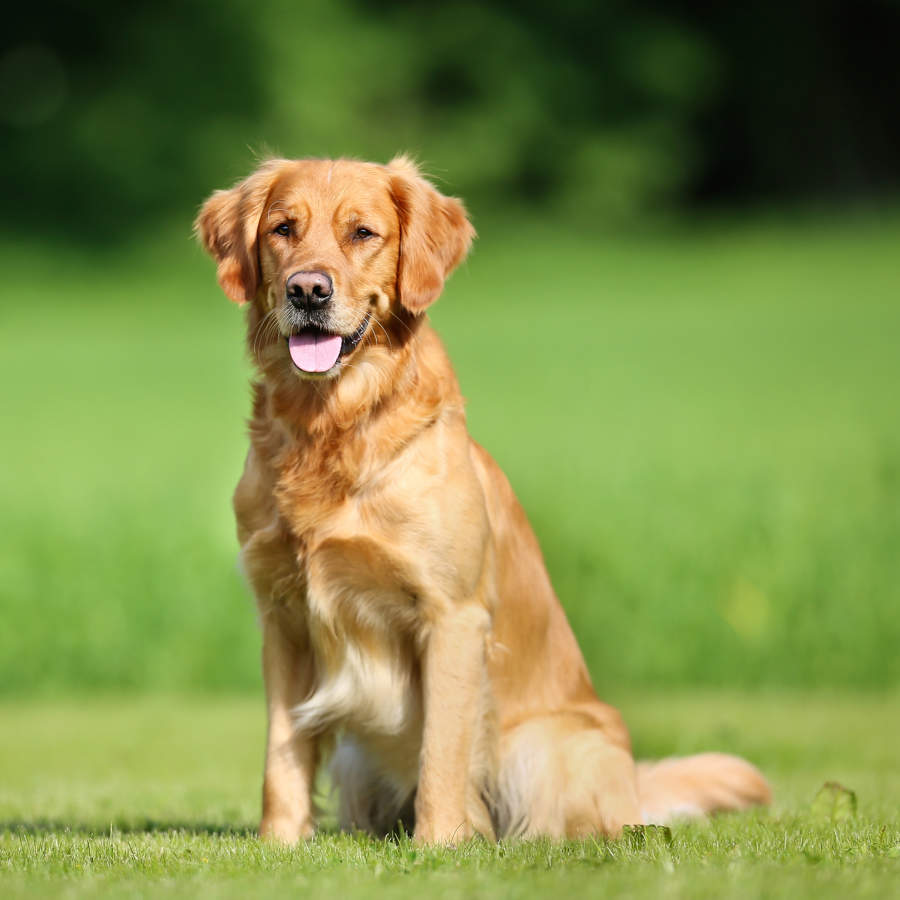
(409,627)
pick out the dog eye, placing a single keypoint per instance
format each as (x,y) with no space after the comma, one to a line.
(362,234)
(284,229)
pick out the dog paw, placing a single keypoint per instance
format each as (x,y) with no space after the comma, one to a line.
(284,830)
(443,834)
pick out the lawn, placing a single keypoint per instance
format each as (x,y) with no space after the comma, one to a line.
(702,424)
(158,797)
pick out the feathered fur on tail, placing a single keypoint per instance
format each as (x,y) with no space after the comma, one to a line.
(692,786)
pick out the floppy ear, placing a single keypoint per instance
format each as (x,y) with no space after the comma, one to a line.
(435,235)
(227,226)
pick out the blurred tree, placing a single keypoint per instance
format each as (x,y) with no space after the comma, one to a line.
(806,104)
(579,101)
(619,105)
(114,114)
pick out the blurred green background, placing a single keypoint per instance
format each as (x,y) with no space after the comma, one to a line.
(702,424)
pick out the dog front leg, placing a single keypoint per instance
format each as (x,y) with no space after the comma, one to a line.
(453,675)
(291,757)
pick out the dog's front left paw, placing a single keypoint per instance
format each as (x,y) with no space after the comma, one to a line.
(285,830)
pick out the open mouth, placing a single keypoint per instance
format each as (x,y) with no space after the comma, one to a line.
(316,351)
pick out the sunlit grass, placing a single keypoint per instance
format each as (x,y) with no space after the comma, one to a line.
(159,797)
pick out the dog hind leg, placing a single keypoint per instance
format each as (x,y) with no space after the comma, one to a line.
(560,777)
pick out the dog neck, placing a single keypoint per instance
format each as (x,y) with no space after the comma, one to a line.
(342,429)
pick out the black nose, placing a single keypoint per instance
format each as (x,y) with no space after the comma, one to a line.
(309,290)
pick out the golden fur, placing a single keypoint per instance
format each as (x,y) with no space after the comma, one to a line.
(408,621)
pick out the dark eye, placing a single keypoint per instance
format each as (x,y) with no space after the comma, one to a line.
(362,234)
(284,229)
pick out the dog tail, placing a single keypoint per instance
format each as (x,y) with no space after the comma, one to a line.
(691,786)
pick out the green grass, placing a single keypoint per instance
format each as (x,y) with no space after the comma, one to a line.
(703,426)
(158,797)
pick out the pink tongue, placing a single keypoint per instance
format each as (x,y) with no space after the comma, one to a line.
(314,352)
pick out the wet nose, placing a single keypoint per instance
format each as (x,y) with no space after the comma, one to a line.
(309,290)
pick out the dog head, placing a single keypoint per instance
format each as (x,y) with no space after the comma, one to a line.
(332,255)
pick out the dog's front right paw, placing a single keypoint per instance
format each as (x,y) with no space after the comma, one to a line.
(448,833)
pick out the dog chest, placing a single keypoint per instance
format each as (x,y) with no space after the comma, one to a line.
(363,623)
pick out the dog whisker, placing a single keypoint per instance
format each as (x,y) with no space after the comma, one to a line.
(409,330)
(384,331)
(261,332)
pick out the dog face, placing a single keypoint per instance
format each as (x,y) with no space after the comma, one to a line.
(332,255)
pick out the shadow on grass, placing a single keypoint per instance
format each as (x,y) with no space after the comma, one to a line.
(147,826)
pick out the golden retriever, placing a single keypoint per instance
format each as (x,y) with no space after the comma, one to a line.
(409,626)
